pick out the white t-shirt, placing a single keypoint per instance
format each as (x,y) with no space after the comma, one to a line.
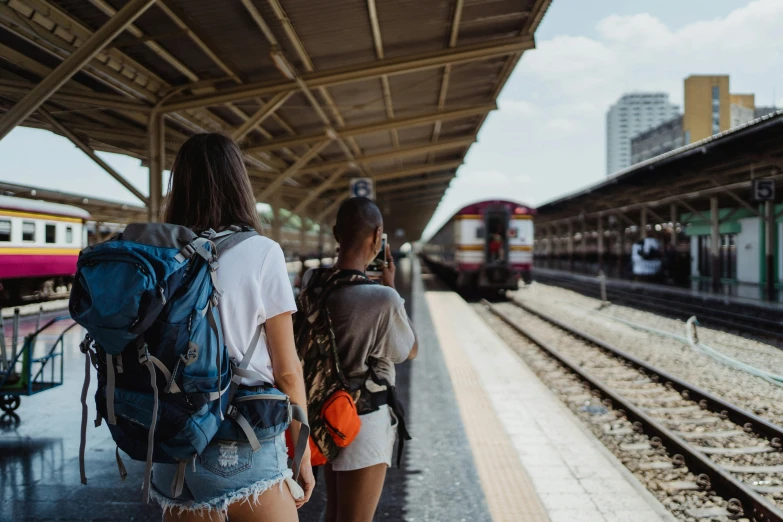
(642,266)
(256,287)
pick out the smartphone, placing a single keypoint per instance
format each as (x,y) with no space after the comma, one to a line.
(376,266)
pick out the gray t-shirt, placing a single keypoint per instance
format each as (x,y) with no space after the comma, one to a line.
(369,321)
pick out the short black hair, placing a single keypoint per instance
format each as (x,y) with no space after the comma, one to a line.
(357,219)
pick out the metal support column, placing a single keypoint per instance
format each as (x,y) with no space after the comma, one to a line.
(303,253)
(71,65)
(276,219)
(600,242)
(643,223)
(156,155)
(673,218)
(715,242)
(620,248)
(570,245)
(321,241)
(583,244)
(769,243)
(550,247)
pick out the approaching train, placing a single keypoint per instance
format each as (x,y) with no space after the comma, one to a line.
(485,246)
(39,246)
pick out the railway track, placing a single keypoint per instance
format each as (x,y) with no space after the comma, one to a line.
(757,322)
(685,439)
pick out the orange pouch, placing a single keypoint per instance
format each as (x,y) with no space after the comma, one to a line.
(341,418)
(316,457)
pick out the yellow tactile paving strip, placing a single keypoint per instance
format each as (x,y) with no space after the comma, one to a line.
(508,490)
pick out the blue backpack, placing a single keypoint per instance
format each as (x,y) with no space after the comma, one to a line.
(148,300)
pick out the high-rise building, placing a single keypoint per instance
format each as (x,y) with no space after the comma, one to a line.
(658,140)
(707,107)
(633,114)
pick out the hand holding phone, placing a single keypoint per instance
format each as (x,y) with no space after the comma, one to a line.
(376,266)
(389,271)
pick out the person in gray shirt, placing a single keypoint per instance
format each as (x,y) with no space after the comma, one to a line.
(372,331)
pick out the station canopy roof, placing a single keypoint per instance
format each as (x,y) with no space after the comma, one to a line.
(315,92)
(721,166)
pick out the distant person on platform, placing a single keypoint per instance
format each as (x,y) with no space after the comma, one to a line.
(646,259)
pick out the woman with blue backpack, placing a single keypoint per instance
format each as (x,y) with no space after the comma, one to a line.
(210,189)
(189,326)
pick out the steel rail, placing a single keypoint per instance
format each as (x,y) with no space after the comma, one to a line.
(719,480)
(708,401)
(745,323)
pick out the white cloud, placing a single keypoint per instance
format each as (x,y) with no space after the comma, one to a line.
(565,86)
(563,125)
(517,107)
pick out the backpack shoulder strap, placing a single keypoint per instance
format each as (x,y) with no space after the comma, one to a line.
(341,279)
(231,237)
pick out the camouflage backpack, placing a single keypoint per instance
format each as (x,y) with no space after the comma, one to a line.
(317,348)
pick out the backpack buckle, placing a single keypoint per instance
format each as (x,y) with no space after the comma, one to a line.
(84,346)
(144,354)
(231,411)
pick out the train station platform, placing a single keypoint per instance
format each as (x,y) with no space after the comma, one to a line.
(490,441)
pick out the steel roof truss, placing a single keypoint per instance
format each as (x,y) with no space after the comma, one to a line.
(71,65)
(372,128)
(402,65)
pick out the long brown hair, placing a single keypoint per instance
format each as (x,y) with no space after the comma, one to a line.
(209,186)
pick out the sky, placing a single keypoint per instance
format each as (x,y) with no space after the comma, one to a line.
(548,137)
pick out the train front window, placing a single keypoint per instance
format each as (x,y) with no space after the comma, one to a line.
(28,231)
(51,233)
(5,230)
(69,235)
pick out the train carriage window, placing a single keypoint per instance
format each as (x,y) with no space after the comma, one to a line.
(480,233)
(69,235)
(28,231)
(51,233)
(5,230)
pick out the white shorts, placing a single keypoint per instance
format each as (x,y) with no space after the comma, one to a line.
(373,445)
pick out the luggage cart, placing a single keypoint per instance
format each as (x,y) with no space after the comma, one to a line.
(22,372)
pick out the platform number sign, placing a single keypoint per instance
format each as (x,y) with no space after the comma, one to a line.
(362,188)
(764,190)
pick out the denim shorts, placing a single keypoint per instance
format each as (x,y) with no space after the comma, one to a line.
(227,471)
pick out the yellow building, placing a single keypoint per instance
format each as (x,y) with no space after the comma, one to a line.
(743,100)
(707,107)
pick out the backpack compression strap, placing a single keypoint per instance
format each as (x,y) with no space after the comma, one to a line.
(297,412)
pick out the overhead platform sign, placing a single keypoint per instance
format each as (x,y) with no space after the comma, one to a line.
(764,189)
(362,188)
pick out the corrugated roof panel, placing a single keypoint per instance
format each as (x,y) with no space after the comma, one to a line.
(415,93)
(360,102)
(334,34)
(413,26)
(86,13)
(482,20)
(298,112)
(414,135)
(233,35)
(378,140)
